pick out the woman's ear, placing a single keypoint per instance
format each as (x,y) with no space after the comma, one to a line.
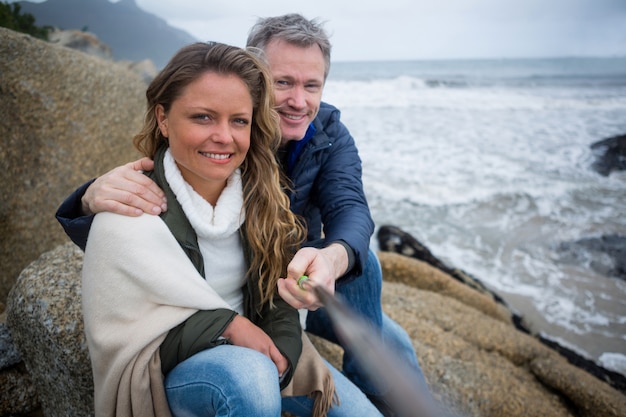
(161,119)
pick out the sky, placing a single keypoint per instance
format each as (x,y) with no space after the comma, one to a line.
(421,29)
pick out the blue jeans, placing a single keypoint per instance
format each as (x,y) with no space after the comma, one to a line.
(363,295)
(233,381)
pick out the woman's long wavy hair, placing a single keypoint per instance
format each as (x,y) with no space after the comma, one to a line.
(272,230)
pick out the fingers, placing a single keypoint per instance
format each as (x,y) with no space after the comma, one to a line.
(141,192)
(242,332)
(122,202)
(279,360)
(125,190)
(297,297)
(302,263)
(143,164)
(309,267)
(148,192)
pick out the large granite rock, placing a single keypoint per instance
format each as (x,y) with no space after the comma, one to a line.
(66,117)
(475,360)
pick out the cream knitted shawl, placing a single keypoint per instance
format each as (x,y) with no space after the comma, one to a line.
(127,312)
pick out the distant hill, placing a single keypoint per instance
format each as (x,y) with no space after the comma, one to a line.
(132,33)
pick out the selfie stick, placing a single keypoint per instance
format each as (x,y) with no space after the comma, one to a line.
(404,389)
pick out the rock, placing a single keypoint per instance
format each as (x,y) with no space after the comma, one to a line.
(604,254)
(66,117)
(9,355)
(45,318)
(610,155)
(145,69)
(394,239)
(81,41)
(480,364)
(399,268)
(89,44)
(474,359)
(17,392)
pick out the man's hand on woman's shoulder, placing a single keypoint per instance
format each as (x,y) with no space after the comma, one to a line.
(125,190)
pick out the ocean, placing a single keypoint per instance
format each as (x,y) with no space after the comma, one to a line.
(488,163)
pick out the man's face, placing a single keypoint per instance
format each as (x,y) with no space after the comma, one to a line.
(298,75)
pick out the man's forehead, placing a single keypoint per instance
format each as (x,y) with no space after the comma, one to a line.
(287,59)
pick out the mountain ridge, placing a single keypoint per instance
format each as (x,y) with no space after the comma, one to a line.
(131,32)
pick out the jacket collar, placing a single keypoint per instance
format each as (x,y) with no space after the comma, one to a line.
(174,217)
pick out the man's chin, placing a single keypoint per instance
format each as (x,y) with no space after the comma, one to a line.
(289,134)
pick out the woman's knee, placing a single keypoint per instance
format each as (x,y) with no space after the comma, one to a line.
(229,378)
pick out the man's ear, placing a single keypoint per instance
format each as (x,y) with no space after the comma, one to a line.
(161,117)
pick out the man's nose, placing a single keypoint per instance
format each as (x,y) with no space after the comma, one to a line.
(297,97)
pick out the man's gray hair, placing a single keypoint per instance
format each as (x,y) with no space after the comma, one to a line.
(294,29)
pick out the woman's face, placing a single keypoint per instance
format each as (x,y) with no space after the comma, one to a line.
(208,128)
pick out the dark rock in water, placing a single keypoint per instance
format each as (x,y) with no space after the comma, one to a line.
(605,254)
(610,155)
(393,239)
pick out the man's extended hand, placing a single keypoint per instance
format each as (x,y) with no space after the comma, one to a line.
(125,190)
(322,266)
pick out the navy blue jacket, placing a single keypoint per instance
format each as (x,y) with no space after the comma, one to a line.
(328,188)
(327,192)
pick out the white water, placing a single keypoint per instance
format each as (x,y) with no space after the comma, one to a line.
(489,166)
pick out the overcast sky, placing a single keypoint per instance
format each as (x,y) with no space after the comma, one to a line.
(422,29)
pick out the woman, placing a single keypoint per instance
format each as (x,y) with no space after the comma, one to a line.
(191,295)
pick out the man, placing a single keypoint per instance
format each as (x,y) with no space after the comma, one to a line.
(319,156)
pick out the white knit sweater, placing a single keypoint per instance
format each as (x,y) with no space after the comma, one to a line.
(217,229)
